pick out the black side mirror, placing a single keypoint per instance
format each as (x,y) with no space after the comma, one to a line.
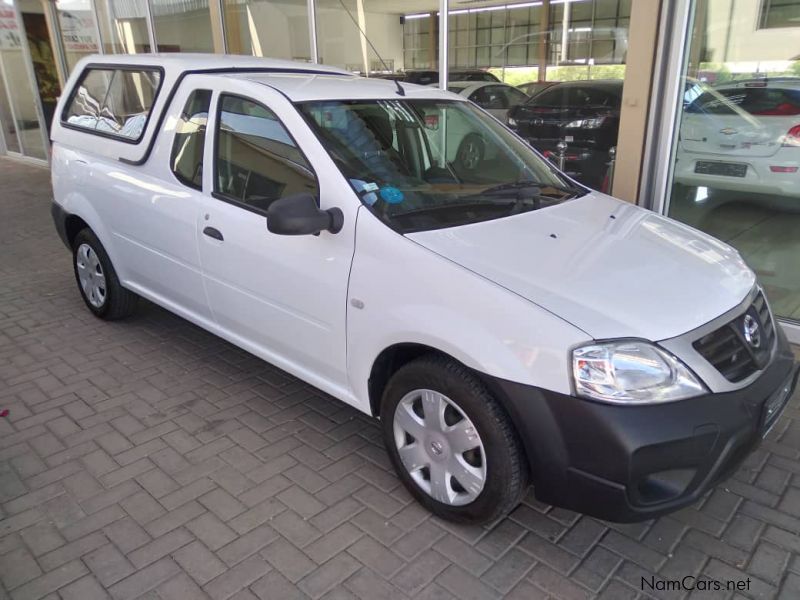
(299,214)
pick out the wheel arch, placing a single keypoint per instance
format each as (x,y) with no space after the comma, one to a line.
(395,356)
(388,362)
(78,213)
(73,224)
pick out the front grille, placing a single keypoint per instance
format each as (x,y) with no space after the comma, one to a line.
(736,352)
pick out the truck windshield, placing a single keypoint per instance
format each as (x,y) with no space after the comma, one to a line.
(429,164)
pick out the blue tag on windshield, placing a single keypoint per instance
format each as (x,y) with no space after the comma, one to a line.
(391,195)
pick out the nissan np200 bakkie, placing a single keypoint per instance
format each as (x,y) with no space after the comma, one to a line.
(400,249)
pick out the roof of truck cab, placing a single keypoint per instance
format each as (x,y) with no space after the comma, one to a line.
(187,61)
(299,81)
(299,87)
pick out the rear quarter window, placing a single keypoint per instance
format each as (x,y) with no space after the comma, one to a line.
(113,102)
(758,101)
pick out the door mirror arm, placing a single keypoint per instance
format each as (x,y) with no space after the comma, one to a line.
(299,214)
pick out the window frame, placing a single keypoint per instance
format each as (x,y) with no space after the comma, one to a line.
(763,16)
(113,67)
(175,135)
(215,193)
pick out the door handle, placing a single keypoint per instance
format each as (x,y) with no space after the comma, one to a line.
(213,232)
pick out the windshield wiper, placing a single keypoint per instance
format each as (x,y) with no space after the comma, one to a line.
(455,205)
(524,185)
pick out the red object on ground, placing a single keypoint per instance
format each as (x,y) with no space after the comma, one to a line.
(4,412)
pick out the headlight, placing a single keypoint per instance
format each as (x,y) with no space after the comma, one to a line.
(586,123)
(512,122)
(631,372)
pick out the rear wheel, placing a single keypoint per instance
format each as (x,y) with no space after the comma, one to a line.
(451,443)
(470,152)
(97,280)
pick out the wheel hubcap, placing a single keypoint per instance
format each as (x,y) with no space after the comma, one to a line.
(439,447)
(90,275)
(471,155)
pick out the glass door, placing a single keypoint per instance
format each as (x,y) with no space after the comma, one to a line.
(42,57)
(20,109)
(736,155)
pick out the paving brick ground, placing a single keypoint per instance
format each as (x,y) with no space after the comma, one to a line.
(149,459)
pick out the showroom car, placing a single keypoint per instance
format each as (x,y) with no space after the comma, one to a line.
(534,87)
(495,98)
(743,137)
(582,114)
(429,76)
(498,320)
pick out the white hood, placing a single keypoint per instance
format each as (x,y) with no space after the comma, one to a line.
(608,267)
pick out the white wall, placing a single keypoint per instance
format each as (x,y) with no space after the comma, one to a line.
(282,29)
(735,37)
(339,39)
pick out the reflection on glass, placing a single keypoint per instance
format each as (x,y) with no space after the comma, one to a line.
(268,28)
(573,47)
(24,132)
(42,56)
(114,102)
(340,24)
(737,156)
(182,25)
(123,26)
(428,164)
(9,131)
(78,30)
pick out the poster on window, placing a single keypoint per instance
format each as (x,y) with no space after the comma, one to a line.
(9,31)
(78,31)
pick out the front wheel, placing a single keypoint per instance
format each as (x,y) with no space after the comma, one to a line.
(451,443)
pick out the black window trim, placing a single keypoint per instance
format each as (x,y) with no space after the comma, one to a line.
(112,67)
(215,193)
(172,148)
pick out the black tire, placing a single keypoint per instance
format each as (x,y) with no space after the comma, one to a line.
(506,467)
(470,153)
(118,302)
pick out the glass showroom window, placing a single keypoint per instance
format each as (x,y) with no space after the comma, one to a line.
(182,25)
(736,157)
(78,30)
(123,26)
(348,30)
(22,127)
(574,50)
(268,28)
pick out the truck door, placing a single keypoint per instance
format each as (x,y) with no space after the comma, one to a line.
(153,208)
(281,297)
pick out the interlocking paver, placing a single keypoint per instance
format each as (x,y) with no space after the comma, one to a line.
(18,567)
(286,558)
(149,459)
(199,562)
(108,564)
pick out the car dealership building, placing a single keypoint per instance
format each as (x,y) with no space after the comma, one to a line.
(709,116)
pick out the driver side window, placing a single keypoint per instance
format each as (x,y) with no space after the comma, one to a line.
(257,161)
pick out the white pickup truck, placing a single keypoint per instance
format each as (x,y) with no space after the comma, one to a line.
(400,249)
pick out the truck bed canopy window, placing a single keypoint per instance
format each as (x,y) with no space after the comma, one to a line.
(113,101)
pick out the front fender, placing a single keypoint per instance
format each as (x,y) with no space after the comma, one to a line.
(401,292)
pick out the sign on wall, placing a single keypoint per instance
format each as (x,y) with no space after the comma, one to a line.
(78,31)
(9,30)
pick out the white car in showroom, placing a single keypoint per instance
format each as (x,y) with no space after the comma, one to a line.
(743,137)
(506,325)
(495,98)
